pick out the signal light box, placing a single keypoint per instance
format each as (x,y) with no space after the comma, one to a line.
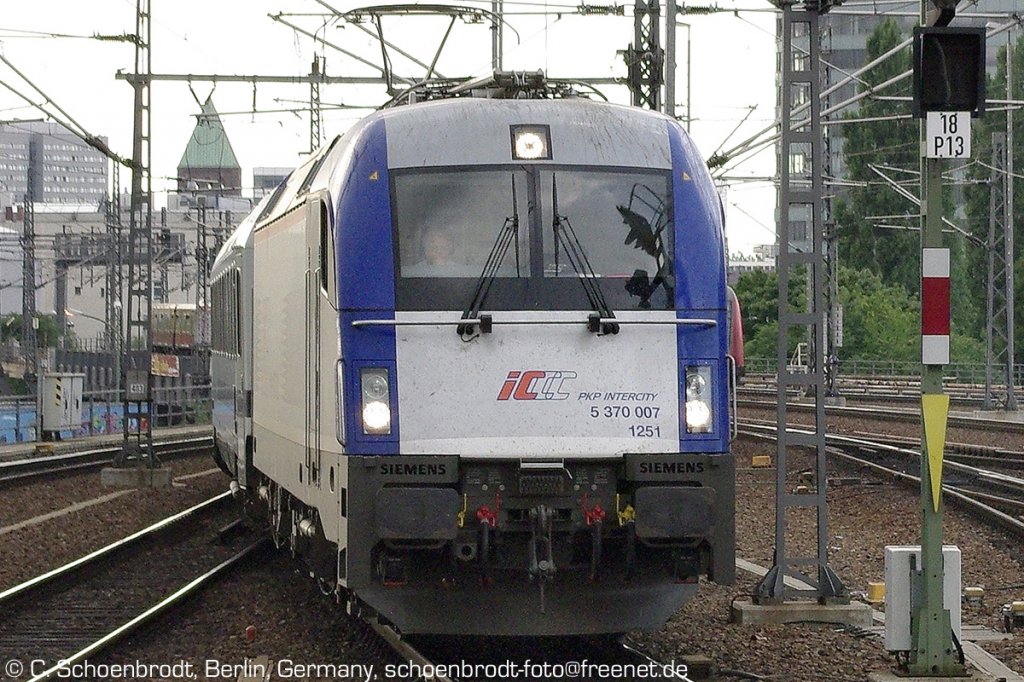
(949,70)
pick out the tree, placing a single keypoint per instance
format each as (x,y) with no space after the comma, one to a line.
(895,144)
(977,197)
(758,294)
(47,335)
(893,254)
(880,321)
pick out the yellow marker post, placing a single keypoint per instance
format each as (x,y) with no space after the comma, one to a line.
(935,411)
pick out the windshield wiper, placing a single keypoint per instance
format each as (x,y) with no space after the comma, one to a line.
(565,237)
(507,235)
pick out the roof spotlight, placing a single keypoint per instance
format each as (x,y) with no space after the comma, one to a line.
(531,142)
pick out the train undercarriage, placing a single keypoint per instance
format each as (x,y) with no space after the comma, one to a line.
(517,547)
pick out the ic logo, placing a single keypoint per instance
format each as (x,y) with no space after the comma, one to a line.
(535,385)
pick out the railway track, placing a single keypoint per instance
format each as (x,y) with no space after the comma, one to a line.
(967,453)
(13,471)
(60,619)
(1000,460)
(865,388)
(996,497)
(890,414)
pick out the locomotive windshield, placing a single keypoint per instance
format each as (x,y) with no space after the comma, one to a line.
(533,233)
(447,222)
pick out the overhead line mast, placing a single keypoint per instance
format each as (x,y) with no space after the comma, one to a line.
(136,360)
(999,341)
(645,58)
(725,160)
(801,260)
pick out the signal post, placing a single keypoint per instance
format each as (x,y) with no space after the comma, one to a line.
(931,629)
(948,92)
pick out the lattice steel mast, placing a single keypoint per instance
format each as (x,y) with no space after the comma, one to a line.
(645,58)
(999,286)
(801,208)
(999,342)
(316,112)
(28,282)
(833,308)
(113,327)
(137,357)
(203,262)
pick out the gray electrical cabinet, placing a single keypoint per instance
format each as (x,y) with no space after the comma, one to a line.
(60,398)
(902,587)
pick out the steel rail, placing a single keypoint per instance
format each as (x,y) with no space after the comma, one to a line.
(895,414)
(892,393)
(957,493)
(965,453)
(21,590)
(988,512)
(152,613)
(599,651)
(991,477)
(977,454)
(401,646)
(647,659)
(20,469)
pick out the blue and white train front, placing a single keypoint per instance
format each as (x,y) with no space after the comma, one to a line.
(534,373)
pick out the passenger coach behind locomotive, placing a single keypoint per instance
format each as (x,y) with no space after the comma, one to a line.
(471,363)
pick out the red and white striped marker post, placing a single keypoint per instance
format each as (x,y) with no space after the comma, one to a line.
(935,306)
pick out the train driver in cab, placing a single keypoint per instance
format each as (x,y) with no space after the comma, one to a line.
(438,251)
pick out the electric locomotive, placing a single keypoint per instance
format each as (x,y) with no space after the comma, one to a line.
(471,364)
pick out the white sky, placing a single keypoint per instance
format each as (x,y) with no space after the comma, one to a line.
(733,69)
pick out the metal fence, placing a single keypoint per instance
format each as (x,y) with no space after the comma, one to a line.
(100,369)
(103,413)
(964,373)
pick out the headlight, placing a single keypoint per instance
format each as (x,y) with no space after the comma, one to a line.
(530,146)
(698,417)
(695,384)
(376,418)
(698,399)
(375,386)
(531,142)
(376,393)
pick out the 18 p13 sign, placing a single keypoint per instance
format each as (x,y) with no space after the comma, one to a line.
(949,134)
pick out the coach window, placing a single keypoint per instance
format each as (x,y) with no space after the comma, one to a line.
(227,315)
(328,275)
(237,318)
(215,313)
(223,314)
